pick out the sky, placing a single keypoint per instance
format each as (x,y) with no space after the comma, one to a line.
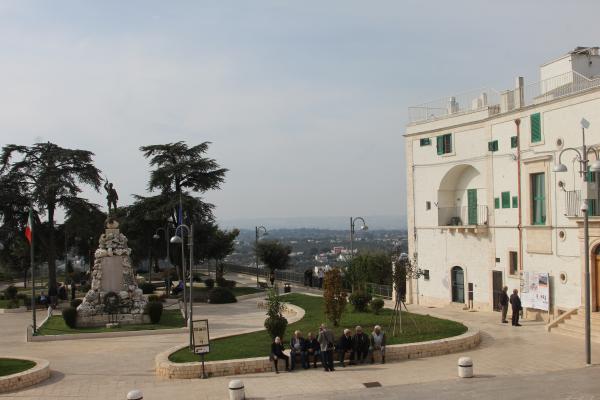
(304,102)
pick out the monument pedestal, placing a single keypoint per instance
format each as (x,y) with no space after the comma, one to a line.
(114,296)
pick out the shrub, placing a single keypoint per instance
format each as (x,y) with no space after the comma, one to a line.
(376,305)
(76,302)
(70,317)
(153,297)
(360,300)
(154,309)
(10,292)
(222,282)
(209,283)
(275,324)
(147,288)
(221,295)
(12,304)
(85,287)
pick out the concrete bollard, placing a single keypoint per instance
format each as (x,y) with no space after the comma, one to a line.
(236,390)
(465,367)
(135,394)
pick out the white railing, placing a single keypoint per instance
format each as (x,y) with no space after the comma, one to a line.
(475,100)
(535,93)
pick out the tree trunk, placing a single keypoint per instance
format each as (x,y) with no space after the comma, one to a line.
(24,275)
(51,249)
(218,270)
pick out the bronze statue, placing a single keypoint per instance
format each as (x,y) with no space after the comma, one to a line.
(111,197)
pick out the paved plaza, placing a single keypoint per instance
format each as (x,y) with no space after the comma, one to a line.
(107,368)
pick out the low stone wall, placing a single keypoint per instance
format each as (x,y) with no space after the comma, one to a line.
(32,376)
(397,352)
(100,320)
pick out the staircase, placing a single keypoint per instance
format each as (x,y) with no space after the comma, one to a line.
(574,325)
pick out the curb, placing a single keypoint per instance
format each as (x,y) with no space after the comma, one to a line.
(30,377)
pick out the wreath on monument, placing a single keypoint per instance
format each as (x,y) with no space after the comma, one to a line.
(111,303)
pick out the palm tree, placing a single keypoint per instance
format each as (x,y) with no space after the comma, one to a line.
(51,176)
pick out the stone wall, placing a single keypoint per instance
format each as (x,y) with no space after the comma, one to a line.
(397,352)
(37,374)
(103,319)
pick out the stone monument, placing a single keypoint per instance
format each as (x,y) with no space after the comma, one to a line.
(114,296)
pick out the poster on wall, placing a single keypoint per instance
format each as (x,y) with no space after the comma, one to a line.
(535,290)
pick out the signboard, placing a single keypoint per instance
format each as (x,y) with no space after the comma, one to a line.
(201,336)
(535,290)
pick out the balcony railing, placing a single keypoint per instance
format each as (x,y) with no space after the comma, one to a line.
(535,93)
(463,216)
(475,100)
(573,205)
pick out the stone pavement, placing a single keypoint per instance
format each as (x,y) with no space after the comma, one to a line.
(108,368)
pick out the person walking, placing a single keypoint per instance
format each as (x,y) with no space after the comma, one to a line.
(515,302)
(326,341)
(504,303)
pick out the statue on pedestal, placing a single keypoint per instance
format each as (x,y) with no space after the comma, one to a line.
(111,196)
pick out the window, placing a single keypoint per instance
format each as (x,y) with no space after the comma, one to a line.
(513,262)
(536,128)
(538,199)
(592,208)
(426,274)
(515,202)
(428,205)
(425,142)
(493,145)
(444,144)
(497,202)
(505,199)
(514,142)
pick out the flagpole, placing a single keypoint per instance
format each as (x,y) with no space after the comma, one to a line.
(32,273)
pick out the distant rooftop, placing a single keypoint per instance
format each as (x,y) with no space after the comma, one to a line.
(574,72)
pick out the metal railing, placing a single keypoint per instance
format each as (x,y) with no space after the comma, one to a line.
(535,93)
(573,201)
(375,289)
(475,100)
(463,216)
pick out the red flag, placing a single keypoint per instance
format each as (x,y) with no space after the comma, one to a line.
(29,227)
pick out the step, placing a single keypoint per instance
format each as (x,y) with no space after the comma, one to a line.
(576,331)
(580,322)
(575,334)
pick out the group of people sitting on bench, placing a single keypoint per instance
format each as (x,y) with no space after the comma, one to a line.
(322,347)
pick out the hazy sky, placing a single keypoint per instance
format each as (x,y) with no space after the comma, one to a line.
(305,102)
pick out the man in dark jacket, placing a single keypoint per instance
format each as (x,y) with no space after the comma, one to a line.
(345,345)
(361,343)
(504,303)
(313,348)
(277,354)
(515,302)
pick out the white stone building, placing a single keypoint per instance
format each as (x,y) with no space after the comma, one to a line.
(483,201)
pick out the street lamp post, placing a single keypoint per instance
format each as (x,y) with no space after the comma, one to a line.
(176,240)
(363,227)
(584,169)
(156,236)
(257,236)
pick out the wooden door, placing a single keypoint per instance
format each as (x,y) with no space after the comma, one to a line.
(497,289)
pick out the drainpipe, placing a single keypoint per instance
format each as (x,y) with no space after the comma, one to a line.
(520,225)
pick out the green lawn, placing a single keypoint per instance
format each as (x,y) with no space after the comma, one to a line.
(5,303)
(9,366)
(56,325)
(257,344)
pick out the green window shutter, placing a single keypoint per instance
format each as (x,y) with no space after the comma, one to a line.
(514,142)
(515,202)
(493,145)
(425,142)
(592,208)
(536,128)
(505,199)
(590,176)
(497,202)
(440,144)
(448,143)
(538,201)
